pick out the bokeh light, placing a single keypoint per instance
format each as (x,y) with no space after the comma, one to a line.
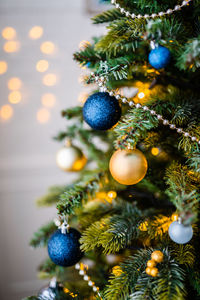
(48,100)
(49,79)
(35,32)
(11,46)
(8,33)
(47,47)
(14,83)
(84,44)
(42,65)
(141,95)
(14,97)
(82,97)
(43,115)
(6,112)
(3,67)
(155,151)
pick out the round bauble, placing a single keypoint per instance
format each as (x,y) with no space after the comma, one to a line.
(70,158)
(179,233)
(154,272)
(101,111)
(151,263)
(128,166)
(56,292)
(159,57)
(148,270)
(157,256)
(64,249)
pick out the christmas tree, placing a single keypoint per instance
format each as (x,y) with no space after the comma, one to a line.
(128,227)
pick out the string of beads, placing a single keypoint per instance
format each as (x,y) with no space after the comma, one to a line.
(82,271)
(153,15)
(101,81)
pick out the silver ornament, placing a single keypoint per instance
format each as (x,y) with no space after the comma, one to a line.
(179,233)
(70,158)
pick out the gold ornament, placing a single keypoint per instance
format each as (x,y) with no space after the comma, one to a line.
(154,272)
(148,271)
(151,263)
(157,256)
(70,158)
(128,166)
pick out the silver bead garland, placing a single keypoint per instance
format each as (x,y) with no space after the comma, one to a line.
(101,81)
(153,15)
(82,271)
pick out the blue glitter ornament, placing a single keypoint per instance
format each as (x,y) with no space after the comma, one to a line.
(101,111)
(159,57)
(179,233)
(64,249)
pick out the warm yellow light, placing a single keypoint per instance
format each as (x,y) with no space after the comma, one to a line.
(117,271)
(6,112)
(3,67)
(8,33)
(11,46)
(112,194)
(84,44)
(47,47)
(174,217)
(82,97)
(36,32)
(42,65)
(141,95)
(143,226)
(49,79)
(48,100)
(43,115)
(14,97)
(155,151)
(14,83)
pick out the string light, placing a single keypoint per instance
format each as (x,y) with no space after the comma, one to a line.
(43,115)
(3,67)
(141,95)
(6,112)
(14,97)
(42,65)
(47,47)
(35,32)
(155,151)
(8,33)
(11,46)
(49,79)
(48,100)
(14,83)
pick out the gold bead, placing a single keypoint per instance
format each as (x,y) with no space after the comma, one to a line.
(154,272)
(157,256)
(151,263)
(148,271)
(128,166)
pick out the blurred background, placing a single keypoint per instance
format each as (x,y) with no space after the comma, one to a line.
(38,78)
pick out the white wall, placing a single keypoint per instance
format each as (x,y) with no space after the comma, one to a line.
(27,152)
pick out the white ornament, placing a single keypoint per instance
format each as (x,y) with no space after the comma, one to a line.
(179,233)
(70,158)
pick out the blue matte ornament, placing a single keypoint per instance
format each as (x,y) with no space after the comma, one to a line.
(101,111)
(159,57)
(179,233)
(64,248)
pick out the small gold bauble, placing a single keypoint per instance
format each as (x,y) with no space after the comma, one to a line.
(157,256)
(128,166)
(70,158)
(154,272)
(151,263)
(148,271)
